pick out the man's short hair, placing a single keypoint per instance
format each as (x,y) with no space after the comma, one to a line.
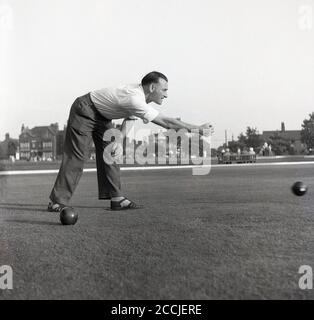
(153,77)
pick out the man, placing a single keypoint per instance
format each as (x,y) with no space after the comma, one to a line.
(90,117)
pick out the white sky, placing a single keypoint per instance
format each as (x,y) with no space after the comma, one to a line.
(232,63)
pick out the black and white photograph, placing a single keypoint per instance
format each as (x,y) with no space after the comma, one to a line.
(156,150)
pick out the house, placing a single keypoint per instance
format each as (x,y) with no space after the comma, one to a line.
(39,143)
(291,136)
(8,147)
(45,143)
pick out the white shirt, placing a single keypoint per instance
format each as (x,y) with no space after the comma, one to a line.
(123,102)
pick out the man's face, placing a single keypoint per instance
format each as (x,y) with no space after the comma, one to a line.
(159,91)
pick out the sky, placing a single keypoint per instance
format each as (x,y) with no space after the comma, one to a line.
(232,63)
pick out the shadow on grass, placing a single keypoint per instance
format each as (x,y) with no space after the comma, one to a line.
(33,222)
(23,205)
(89,207)
(21,208)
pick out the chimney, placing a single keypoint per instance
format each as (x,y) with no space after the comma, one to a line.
(7,136)
(283,127)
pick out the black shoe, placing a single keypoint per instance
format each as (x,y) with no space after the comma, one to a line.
(55,207)
(116,205)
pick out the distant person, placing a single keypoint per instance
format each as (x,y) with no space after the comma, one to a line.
(89,118)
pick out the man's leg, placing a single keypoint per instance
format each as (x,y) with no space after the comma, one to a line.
(108,175)
(77,138)
(75,148)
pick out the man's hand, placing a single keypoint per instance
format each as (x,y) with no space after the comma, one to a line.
(206,129)
(131,118)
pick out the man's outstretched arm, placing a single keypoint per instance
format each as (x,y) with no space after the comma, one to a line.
(172,123)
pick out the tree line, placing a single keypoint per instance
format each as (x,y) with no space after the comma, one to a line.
(277,142)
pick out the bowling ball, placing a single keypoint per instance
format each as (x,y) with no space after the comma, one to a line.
(299,188)
(68,216)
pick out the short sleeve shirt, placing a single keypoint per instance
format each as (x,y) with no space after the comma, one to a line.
(123,102)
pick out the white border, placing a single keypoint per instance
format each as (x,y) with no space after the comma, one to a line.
(53,171)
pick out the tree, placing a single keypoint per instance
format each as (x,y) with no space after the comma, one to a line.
(253,138)
(235,145)
(242,140)
(279,144)
(11,148)
(307,131)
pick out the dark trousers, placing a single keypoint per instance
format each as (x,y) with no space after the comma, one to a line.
(85,123)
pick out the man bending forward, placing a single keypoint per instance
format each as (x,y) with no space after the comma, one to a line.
(90,116)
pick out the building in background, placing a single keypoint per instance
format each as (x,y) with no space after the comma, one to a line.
(294,135)
(290,137)
(39,143)
(9,147)
(45,143)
